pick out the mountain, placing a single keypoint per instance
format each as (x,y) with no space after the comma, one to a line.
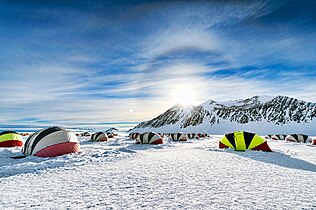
(260,114)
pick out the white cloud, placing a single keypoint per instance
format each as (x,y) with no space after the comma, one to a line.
(166,41)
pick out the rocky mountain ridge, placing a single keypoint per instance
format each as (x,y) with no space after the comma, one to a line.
(279,110)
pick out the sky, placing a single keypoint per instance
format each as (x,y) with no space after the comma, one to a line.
(90,62)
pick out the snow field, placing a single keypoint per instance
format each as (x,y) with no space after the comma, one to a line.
(177,175)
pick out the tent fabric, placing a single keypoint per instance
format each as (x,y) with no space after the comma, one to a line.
(278,137)
(47,139)
(193,136)
(298,138)
(133,135)
(110,134)
(85,134)
(10,139)
(202,135)
(24,134)
(178,137)
(99,136)
(58,149)
(241,141)
(149,138)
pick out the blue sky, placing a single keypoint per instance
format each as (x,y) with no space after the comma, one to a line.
(77,62)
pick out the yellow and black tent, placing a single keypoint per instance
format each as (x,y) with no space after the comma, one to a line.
(241,141)
(10,139)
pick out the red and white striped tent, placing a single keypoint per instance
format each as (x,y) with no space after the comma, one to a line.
(149,138)
(99,136)
(51,142)
(193,136)
(134,135)
(110,134)
(278,137)
(202,135)
(179,137)
(85,134)
(298,138)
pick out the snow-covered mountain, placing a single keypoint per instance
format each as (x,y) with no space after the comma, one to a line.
(261,114)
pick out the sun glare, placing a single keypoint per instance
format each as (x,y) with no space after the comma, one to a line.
(184,96)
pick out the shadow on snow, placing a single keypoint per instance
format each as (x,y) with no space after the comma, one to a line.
(275,158)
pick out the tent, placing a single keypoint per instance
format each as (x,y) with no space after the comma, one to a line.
(268,136)
(202,135)
(178,137)
(298,138)
(24,134)
(133,135)
(193,136)
(241,141)
(149,138)
(51,142)
(110,134)
(85,134)
(99,136)
(10,139)
(278,137)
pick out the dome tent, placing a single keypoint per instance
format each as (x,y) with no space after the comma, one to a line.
(202,135)
(10,139)
(241,141)
(149,138)
(134,135)
(85,134)
(178,137)
(193,136)
(278,137)
(298,138)
(110,134)
(99,136)
(24,134)
(51,142)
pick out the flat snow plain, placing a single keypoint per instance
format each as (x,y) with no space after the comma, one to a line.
(176,175)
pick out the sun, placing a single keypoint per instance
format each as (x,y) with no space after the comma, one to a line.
(184,95)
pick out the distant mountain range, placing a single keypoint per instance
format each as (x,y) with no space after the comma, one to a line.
(260,114)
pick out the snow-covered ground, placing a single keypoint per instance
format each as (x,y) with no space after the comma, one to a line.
(176,175)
